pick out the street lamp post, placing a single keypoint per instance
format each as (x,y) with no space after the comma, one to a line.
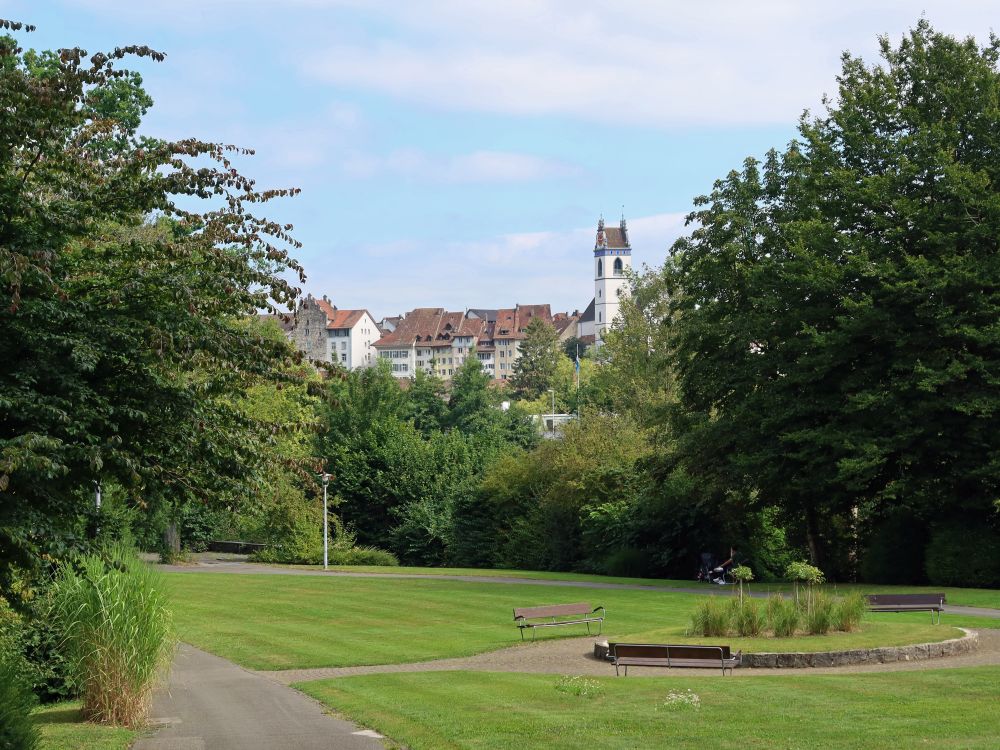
(326,531)
(97,505)
(553,392)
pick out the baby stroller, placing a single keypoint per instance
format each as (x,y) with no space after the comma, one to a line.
(712,573)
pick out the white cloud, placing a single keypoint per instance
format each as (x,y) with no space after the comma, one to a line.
(475,167)
(524,267)
(621,61)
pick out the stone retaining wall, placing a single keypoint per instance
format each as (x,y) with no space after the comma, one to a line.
(881,655)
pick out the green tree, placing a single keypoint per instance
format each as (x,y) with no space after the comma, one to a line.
(474,404)
(428,407)
(123,342)
(537,360)
(834,323)
(635,372)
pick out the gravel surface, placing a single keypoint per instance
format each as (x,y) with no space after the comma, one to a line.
(574,656)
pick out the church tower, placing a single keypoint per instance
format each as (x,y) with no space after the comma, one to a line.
(612,255)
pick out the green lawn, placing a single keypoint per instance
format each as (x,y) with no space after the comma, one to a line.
(954,708)
(959,596)
(289,622)
(63,728)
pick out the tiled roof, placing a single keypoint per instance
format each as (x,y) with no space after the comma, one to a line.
(336,318)
(488,315)
(588,314)
(433,327)
(616,238)
(512,323)
(563,321)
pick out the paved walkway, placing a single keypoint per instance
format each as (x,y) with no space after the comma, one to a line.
(209,565)
(575,656)
(212,704)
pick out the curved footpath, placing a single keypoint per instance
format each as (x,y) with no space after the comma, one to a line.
(245,568)
(575,656)
(212,704)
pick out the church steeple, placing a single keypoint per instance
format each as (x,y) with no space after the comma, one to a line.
(612,256)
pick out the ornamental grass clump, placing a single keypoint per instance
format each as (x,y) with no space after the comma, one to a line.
(849,611)
(783,616)
(820,616)
(113,613)
(711,617)
(748,618)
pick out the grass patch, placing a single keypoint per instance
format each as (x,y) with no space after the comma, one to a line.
(486,711)
(966,597)
(293,622)
(63,728)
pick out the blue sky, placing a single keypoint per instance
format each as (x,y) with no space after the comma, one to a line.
(458,153)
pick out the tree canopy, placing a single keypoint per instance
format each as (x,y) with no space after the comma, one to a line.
(124,341)
(834,311)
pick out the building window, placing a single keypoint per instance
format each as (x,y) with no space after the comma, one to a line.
(343,357)
(618,267)
(598,317)
(600,268)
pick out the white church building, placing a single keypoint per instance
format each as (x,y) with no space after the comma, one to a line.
(612,256)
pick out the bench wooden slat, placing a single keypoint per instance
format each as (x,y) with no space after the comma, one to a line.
(907,603)
(578,613)
(667,655)
(553,610)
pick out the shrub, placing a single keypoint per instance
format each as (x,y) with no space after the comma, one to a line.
(804,573)
(849,611)
(710,617)
(782,616)
(17,730)
(114,615)
(362,556)
(963,555)
(742,575)
(36,638)
(747,617)
(627,562)
(819,616)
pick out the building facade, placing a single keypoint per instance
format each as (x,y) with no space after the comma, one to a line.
(326,333)
(436,341)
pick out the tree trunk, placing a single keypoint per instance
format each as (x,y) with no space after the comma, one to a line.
(171,543)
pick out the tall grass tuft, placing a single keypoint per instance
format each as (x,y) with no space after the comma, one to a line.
(710,617)
(849,611)
(113,612)
(819,617)
(783,616)
(748,618)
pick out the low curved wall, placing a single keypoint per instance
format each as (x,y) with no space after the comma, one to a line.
(881,655)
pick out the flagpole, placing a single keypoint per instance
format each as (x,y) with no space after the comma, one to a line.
(578,380)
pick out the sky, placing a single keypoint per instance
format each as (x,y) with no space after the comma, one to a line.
(458,153)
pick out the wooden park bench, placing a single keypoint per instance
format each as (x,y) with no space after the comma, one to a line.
(907,603)
(557,614)
(665,655)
